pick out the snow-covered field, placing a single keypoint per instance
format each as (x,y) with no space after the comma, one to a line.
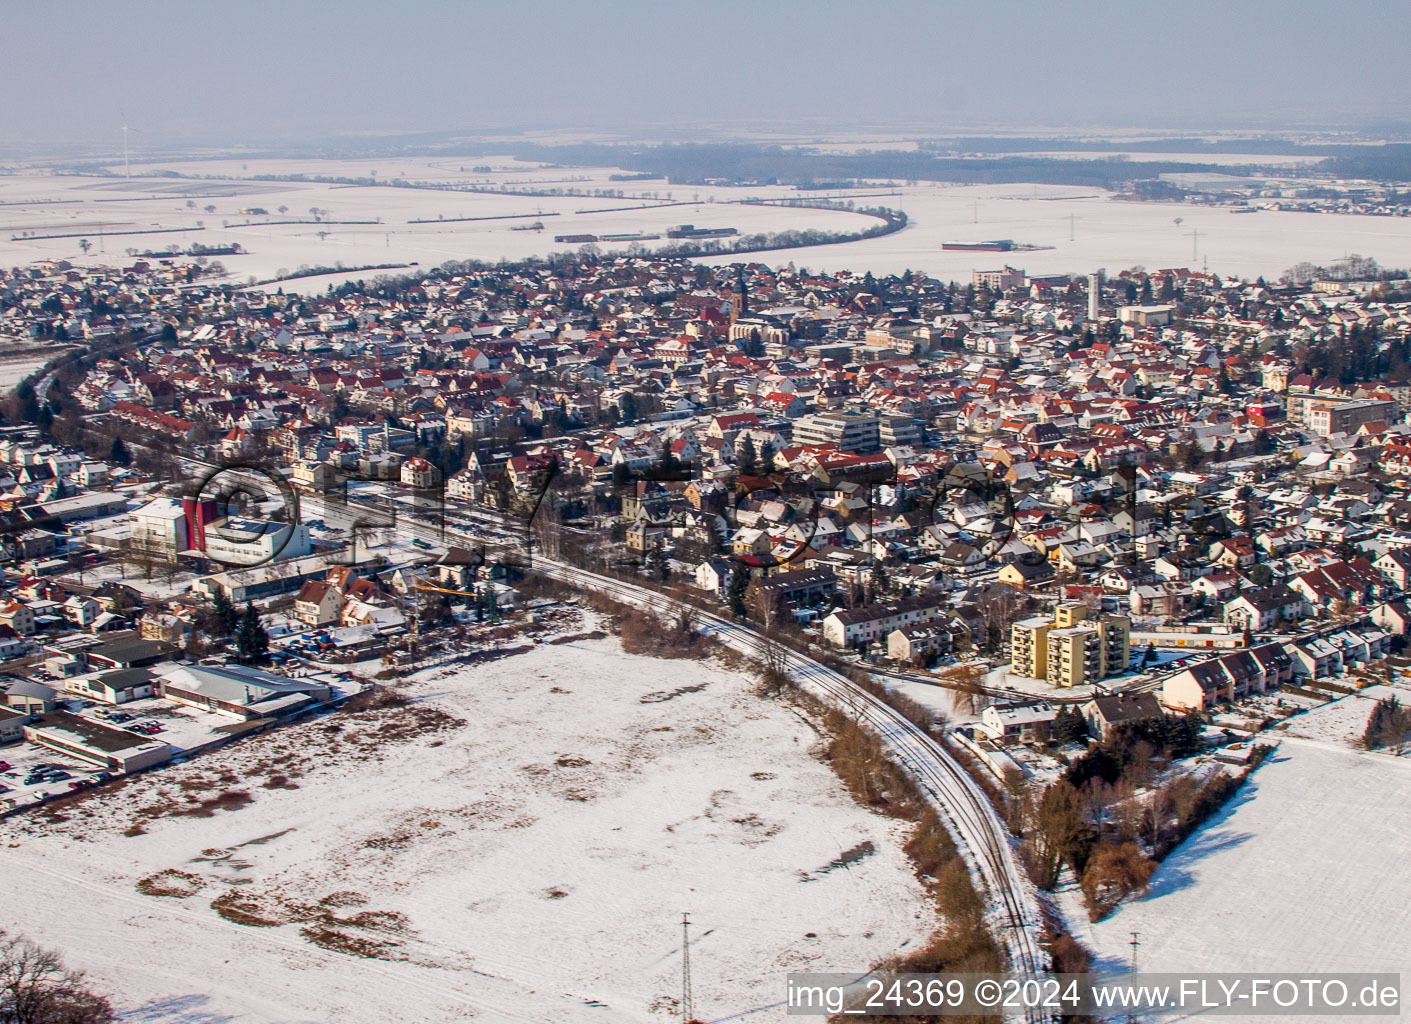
(19,360)
(1302,872)
(1343,721)
(517,844)
(1105,232)
(1086,228)
(107,205)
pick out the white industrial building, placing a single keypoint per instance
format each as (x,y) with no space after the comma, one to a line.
(241,692)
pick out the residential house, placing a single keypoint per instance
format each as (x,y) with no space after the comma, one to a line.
(864,624)
(318,603)
(1018,720)
(1106,714)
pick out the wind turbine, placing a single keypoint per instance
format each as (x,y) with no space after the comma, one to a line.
(126,170)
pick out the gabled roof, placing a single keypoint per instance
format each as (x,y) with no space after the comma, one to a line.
(1126,707)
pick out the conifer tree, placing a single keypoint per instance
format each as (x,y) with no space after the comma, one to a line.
(251,638)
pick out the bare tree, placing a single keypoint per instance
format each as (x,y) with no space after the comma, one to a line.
(1155,810)
(774,674)
(36,988)
(969,684)
(142,558)
(1016,790)
(1001,609)
(1114,872)
(1139,770)
(1055,821)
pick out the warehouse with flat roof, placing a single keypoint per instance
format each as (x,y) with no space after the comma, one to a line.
(96,743)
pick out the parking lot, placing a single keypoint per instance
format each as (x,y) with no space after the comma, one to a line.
(34,772)
(29,772)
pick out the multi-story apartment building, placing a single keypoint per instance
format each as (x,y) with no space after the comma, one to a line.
(1028,647)
(1070,649)
(160,528)
(1326,417)
(851,432)
(1000,280)
(900,430)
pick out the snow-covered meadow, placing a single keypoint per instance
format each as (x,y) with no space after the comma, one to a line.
(97,208)
(1301,872)
(17,368)
(518,844)
(1084,228)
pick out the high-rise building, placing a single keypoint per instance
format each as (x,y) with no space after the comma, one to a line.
(1028,647)
(1094,296)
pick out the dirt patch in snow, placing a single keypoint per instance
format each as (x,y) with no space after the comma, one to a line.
(845,859)
(375,934)
(171,882)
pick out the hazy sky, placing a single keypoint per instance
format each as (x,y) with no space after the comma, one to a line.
(255,70)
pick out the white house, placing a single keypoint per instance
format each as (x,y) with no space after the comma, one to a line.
(848,627)
(1018,719)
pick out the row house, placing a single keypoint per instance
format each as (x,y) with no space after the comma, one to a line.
(1230,677)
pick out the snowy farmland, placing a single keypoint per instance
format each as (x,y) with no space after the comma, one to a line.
(16,369)
(1082,229)
(1301,872)
(397,226)
(19,359)
(516,844)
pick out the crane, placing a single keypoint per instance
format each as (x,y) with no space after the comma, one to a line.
(416,617)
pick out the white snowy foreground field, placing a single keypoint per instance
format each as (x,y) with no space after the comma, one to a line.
(1304,871)
(516,844)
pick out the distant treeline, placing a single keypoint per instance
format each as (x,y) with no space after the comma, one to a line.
(1262,147)
(701,163)
(337,268)
(1391,162)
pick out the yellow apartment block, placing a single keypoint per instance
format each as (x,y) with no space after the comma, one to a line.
(1070,649)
